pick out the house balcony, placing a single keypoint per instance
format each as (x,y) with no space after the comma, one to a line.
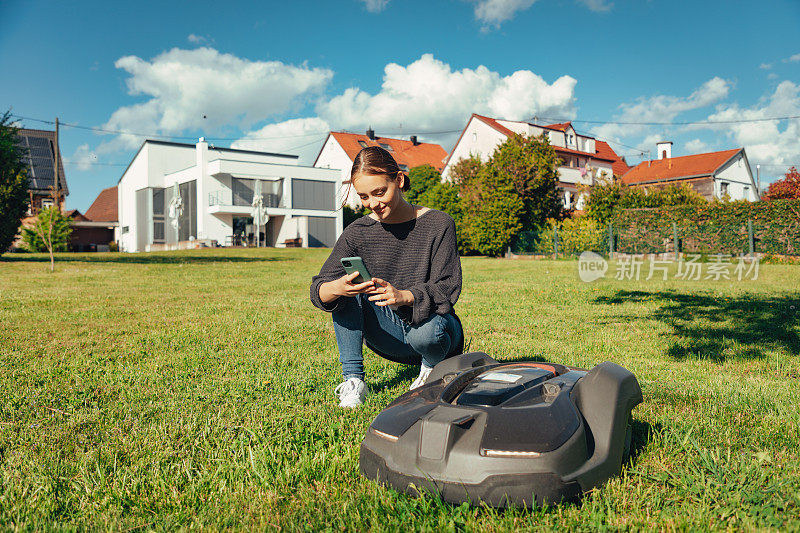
(225,202)
(576,175)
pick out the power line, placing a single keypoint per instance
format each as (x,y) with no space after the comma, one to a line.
(690,123)
(189,137)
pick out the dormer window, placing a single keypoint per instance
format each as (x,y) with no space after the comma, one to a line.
(386,147)
(404,168)
(363,144)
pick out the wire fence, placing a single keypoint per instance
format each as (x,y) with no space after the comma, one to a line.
(711,238)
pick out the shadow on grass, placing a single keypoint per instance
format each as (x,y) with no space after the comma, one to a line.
(141,258)
(405,374)
(640,437)
(717,329)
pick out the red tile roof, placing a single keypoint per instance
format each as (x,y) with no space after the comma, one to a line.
(618,166)
(678,167)
(493,123)
(104,207)
(602,150)
(562,126)
(404,152)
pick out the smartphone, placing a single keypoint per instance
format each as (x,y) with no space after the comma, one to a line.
(355,264)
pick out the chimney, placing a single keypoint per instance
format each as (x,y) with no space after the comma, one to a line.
(414,140)
(371,133)
(664,149)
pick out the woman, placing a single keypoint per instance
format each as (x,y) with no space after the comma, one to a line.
(405,312)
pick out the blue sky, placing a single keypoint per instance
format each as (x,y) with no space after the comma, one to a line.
(279,75)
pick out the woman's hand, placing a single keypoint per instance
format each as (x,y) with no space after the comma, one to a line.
(344,286)
(386,294)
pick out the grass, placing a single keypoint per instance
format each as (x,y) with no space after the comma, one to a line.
(195,390)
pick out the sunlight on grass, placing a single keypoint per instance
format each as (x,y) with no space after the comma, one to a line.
(195,389)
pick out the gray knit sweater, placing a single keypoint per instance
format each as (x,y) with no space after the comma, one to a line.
(419,255)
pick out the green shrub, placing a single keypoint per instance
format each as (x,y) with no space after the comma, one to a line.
(575,236)
(712,227)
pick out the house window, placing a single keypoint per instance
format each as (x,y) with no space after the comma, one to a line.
(125,229)
(746,191)
(386,147)
(474,137)
(363,144)
(723,188)
(47,202)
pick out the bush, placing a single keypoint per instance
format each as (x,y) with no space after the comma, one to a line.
(575,236)
(608,197)
(712,227)
(62,229)
(350,214)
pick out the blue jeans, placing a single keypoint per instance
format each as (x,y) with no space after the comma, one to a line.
(359,319)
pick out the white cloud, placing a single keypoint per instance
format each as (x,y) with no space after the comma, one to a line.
(375,6)
(299,136)
(202,88)
(83,157)
(196,39)
(695,146)
(662,108)
(598,5)
(769,142)
(494,12)
(428,95)
(424,96)
(765,66)
(792,59)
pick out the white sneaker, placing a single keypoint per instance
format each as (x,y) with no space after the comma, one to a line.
(424,372)
(351,392)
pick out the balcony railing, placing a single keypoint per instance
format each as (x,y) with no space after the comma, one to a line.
(226,197)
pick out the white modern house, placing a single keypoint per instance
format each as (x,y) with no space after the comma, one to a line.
(724,174)
(585,159)
(175,195)
(340,149)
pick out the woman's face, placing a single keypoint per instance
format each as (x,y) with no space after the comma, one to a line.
(379,193)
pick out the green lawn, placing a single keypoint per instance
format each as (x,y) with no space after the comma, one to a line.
(195,390)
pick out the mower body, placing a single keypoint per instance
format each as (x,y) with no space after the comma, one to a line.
(521,433)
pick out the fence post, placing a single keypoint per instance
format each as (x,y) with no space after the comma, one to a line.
(751,237)
(675,243)
(610,239)
(555,241)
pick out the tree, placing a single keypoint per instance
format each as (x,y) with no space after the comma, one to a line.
(422,178)
(13,183)
(530,166)
(49,232)
(515,190)
(786,188)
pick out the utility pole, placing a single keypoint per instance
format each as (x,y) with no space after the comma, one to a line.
(758,181)
(55,166)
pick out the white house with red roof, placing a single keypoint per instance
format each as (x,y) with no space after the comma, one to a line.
(585,158)
(714,174)
(340,150)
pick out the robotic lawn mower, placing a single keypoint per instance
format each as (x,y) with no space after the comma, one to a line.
(521,434)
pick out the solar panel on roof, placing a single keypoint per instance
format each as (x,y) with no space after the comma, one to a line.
(40,162)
